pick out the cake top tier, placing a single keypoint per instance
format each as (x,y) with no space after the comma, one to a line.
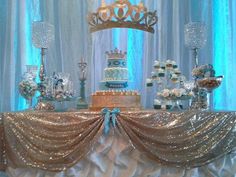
(116,54)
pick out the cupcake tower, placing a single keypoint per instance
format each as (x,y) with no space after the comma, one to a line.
(169,80)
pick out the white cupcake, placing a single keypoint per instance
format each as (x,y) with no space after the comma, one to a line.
(149,82)
(174,64)
(174,78)
(168,105)
(154,75)
(157,104)
(163,65)
(157,64)
(177,71)
(169,64)
(161,72)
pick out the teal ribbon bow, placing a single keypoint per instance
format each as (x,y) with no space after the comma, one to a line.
(110,117)
(114,113)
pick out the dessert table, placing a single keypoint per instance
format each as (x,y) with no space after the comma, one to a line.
(115,143)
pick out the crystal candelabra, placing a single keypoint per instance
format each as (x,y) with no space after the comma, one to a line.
(82,104)
(196,38)
(43,34)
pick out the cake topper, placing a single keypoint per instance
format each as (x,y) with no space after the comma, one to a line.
(116,54)
(122,14)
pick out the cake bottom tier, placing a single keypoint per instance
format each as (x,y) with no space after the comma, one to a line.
(121,100)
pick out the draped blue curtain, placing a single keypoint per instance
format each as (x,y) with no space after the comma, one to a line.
(72,41)
(16,49)
(224,49)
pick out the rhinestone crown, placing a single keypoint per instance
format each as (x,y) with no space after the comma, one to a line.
(116,54)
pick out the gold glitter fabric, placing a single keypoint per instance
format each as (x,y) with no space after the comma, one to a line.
(187,139)
(57,141)
(50,141)
(3,162)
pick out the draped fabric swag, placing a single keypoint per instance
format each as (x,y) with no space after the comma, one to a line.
(57,141)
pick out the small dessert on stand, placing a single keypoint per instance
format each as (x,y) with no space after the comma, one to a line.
(170,85)
(113,93)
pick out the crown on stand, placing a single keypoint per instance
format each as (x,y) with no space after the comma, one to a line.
(116,54)
(122,14)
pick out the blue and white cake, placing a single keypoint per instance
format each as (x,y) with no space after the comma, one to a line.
(116,74)
(113,93)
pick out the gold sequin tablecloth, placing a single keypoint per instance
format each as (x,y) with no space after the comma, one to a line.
(57,141)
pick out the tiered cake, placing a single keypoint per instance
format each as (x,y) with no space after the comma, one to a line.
(116,74)
(113,93)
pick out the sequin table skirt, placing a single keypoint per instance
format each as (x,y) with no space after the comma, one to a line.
(57,141)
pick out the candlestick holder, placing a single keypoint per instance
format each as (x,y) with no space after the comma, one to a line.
(82,104)
(43,34)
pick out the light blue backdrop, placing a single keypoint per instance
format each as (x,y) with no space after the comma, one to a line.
(73,41)
(224,50)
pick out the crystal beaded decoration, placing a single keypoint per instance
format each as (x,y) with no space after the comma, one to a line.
(195,35)
(42,34)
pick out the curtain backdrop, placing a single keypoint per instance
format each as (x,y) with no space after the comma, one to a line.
(224,44)
(16,48)
(73,41)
